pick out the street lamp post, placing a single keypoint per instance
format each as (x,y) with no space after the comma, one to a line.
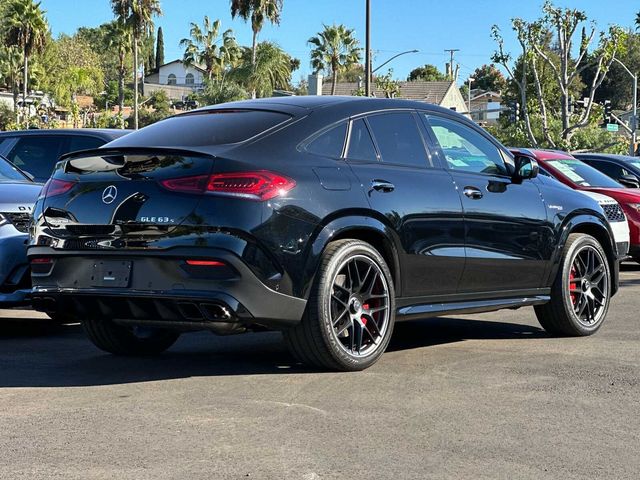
(392,58)
(634,117)
(367,67)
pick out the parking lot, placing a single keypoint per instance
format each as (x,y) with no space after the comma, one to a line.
(479,396)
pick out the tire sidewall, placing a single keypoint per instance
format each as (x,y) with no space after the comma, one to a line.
(325,286)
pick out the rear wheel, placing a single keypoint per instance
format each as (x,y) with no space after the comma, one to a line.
(351,311)
(126,340)
(581,292)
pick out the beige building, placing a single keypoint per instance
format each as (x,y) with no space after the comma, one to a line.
(446,94)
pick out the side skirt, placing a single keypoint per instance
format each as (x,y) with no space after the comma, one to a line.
(415,312)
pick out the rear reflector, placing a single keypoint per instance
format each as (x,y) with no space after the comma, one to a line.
(205,263)
(55,187)
(255,185)
(41,260)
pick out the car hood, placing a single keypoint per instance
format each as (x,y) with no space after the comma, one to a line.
(14,195)
(621,195)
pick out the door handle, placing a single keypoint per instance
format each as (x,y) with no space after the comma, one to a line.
(382,186)
(473,193)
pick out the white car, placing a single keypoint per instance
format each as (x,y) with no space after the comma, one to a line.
(616,217)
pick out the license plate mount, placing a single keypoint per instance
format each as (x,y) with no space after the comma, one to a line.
(111,273)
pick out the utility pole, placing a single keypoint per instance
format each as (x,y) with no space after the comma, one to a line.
(471,79)
(451,51)
(367,67)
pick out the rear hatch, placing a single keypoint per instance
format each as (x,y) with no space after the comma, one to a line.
(125,191)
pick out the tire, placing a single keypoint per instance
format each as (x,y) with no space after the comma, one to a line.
(350,314)
(571,312)
(125,340)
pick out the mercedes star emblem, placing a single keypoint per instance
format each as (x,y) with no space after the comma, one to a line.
(109,195)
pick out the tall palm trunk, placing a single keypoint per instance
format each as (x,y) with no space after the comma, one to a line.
(121,74)
(25,87)
(135,83)
(254,54)
(334,81)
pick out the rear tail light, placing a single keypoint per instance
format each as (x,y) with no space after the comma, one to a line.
(257,185)
(55,187)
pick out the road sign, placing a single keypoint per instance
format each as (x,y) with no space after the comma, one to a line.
(612,127)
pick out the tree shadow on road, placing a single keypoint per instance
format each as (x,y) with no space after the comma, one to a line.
(37,355)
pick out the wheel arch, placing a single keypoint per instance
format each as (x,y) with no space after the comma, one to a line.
(364,228)
(598,228)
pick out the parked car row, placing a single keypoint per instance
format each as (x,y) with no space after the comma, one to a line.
(328,218)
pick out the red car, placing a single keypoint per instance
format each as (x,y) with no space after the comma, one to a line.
(580,176)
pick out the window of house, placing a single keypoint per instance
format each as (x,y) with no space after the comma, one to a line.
(189,79)
(172,80)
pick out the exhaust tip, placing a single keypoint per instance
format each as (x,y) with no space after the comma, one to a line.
(216,312)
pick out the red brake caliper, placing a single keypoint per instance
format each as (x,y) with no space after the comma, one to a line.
(572,276)
(363,319)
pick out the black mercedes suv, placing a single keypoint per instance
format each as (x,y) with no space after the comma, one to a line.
(328,218)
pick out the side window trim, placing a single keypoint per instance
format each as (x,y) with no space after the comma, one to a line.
(348,140)
(436,145)
(302,146)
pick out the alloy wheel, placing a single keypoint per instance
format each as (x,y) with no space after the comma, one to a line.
(588,285)
(359,306)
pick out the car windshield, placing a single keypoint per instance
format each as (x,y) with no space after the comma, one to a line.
(9,173)
(582,174)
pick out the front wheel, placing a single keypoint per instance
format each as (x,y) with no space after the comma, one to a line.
(126,340)
(351,310)
(581,292)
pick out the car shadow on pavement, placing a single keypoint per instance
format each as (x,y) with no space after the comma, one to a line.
(43,355)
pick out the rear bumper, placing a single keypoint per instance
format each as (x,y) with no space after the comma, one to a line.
(13,267)
(161,290)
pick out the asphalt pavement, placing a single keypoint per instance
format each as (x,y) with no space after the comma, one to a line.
(470,397)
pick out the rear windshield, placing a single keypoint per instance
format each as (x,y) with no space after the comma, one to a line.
(9,173)
(582,174)
(201,129)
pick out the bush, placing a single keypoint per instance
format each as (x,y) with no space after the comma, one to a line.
(7,117)
(221,92)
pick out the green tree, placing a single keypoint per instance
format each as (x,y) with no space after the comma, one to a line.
(257,11)
(218,91)
(271,71)
(202,48)
(118,38)
(388,85)
(427,73)
(335,50)
(10,73)
(137,15)
(25,27)
(489,78)
(160,48)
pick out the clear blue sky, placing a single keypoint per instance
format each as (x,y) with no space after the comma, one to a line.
(397,25)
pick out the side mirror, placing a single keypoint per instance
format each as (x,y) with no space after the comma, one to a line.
(526,168)
(630,181)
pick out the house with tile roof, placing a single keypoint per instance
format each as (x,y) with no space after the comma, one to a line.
(446,94)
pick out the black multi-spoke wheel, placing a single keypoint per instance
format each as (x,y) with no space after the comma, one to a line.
(581,292)
(351,310)
(359,305)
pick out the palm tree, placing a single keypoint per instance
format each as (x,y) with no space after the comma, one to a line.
(10,72)
(25,28)
(335,50)
(257,11)
(118,37)
(137,15)
(203,49)
(272,70)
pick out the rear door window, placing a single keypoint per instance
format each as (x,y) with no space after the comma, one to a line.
(399,139)
(37,154)
(217,127)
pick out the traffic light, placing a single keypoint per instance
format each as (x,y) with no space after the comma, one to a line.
(607,112)
(514,112)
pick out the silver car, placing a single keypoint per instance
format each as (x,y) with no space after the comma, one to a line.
(18,193)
